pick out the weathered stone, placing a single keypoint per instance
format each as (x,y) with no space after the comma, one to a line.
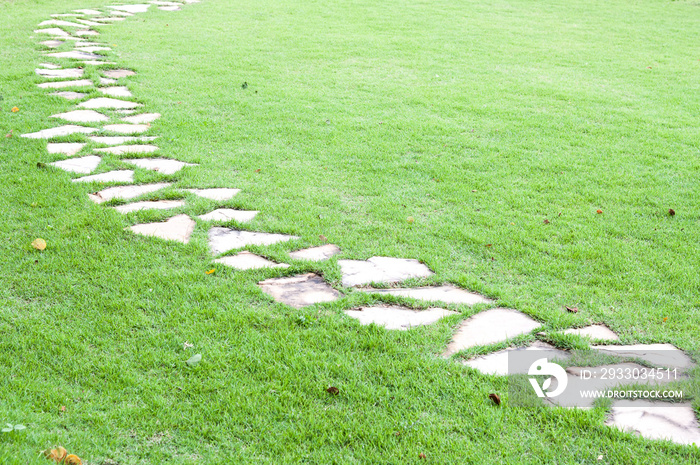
(663,355)
(117,140)
(89,32)
(122,149)
(107,81)
(215,193)
(88,22)
(118,73)
(106,102)
(150,205)
(92,48)
(392,317)
(496,363)
(59,132)
(82,116)
(656,420)
(122,176)
(50,65)
(82,165)
(126,192)
(60,73)
(69,95)
(52,43)
(248,261)
(137,8)
(178,228)
(88,12)
(299,291)
(228,214)
(117,91)
(224,239)
(66,148)
(600,332)
(52,31)
(316,254)
(75,54)
(62,84)
(143,118)
(127,128)
(161,165)
(61,22)
(381,270)
(448,294)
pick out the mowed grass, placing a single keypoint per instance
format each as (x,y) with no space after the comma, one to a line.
(480,120)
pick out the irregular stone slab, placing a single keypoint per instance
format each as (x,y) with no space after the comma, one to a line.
(76,55)
(107,81)
(52,31)
(62,84)
(108,19)
(66,148)
(121,13)
(178,228)
(127,128)
(88,12)
(106,102)
(50,66)
(116,140)
(88,22)
(118,73)
(601,332)
(52,43)
(126,192)
(248,261)
(224,239)
(69,95)
(156,2)
(59,132)
(122,149)
(381,270)
(316,254)
(496,363)
(118,91)
(60,73)
(61,22)
(299,291)
(656,420)
(402,318)
(215,193)
(85,43)
(83,165)
(160,165)
(229,214)
(490,327)
(138,8)
(448,294)
(150,205)
(88,32)
(66,15)
(123,176)
(664,355)
(81,116)
(143,118)
(92,48)
(169,8)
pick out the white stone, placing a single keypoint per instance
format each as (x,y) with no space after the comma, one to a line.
(60,73)
(228,214)
(316,254)
(69,95)
(137,8)
(66,148)
(160,165)
(448,294)
(118,73)
(89,32)
(490,327)
(121,13)
(157,2)
(178,228)
(118,91)
(117,140)
(600,332)
(87,22)
(62,84)
(126,192)
(215,193)
(50,65)
(299,291)
(381,270)
(53,31)
(392,317)
(127,128)
(92,48)
(108,19)
(122,149)
(106,102)
(77,55)
(224,239)
(657,420)
(52,43)
(81,116)
(663,355)
(150,205)
(83,165)
(496,363)
(66,15)
(122,176)
(143,118)
(248,261)
(60,22)
(88,12)
(107,81)
(59,132)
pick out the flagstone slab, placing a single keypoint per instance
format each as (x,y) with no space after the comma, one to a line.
(50,65)
(600,332)
(91,48)
(123,176)
(107,81)
(224,239)
(118,73)
(137,8)
(401,318)
(83,165)
(59,132)
(448,294)
(69,95)
(117,91)
(169,8)
(656,420)
(106,102)
(299,291)
(117,140)
(122,149)
(663,355)
(126,192)
(66,148)
(215,193)
(52,43)
(61,22)
(316,254)
(490,327)
(496,363)
(97,62)
(229,214)
(87,22)
(161,165)
(121,13)
(52,31)
(143,118)
(66,15)
(62,84)
(108,19)
(248,261)
(381,270)
(75,54)
(88,12)
(178,228)
(81,116)
(88,32)
(150,205)
(127,128)
(60,73)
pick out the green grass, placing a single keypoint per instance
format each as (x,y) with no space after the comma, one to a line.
(478,119)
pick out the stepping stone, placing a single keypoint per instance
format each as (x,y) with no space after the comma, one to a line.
(66,148)
(490,327)
(215,194)
(59,132)
(316,254)
(69,95)
(600,332)
(62,84)
(150,205)
(138,8)
(248,261)
(52,43)
(178,228)
(160,165)
(82,116)
(656,420)
(88,32)
(122,149)
(123,176)
(125,112)
(663,355)
(119,91)
(76,55)
(108,19)
(299,291)
(50,66)
(126,192)
(88,22)
(116,140)
(91,48)
(228,214)
(107,81)
(82,165)
(143,118)
(88,12)
(156,2)
(118,73)
(66,15)
(60,22)
(60,73)
(496,363)
(169,8)
(381,270)
(127,128)
(448,294)
(106,102)
(392,317)
(224,239)
(53,31)
(121,13)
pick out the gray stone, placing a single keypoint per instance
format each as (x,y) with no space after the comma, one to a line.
(88,22)
(496,363)
(127,128)
(122,149)
(61,22)
(392,317)
(69,95)
(117,140)
(161,165)
(121,13)
(656,420)
(82,116)
(224,239)
(60,73)
(248,261)
(91,48)
(228,214)
(215,193)
(59,132)
(66,148)
(126,192)
(137,8)
(178,228)
(106,102)
(118,73)
(53,31)
(88,12)
(117,91)
(149,205)
(381,270)
(490,327)
(52,43)
(663,355)
(108,19)
(83,165)
(75,54)
(50,65)
(122,176)
(316,254)
(143,118)
(600,332)
(62,84)
(448,294)
(89,32)
(107,81)
(299,291)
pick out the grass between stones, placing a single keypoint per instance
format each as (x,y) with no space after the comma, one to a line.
(480,120)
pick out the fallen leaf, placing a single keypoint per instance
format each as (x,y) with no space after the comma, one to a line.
(187,345)
(9,134)
(600,457)
(410,220)
(546,221)
(572,309)
(422,456)
(73,459)
(258,170)
(39,243)
(665,318)
(212,271)
(63,408)
(15,109)
(489,245)
(495,398)
(323,238)
(671,211)
(57,454)
(194,360)
(599,211)
(333,390)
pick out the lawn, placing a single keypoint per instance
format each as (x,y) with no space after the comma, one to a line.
(526,150)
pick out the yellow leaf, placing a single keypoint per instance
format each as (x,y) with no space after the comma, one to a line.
(56,455)
(211,271)
(15,109)
(39,243)
(410,219)
(73,459)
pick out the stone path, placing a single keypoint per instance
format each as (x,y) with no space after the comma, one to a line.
(71,37)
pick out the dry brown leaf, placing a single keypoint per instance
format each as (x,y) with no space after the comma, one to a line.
(495,398)
(333,390)
(73,459)
(671,211)
(422,456)
(323,238)
(599,211)
(572,309)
